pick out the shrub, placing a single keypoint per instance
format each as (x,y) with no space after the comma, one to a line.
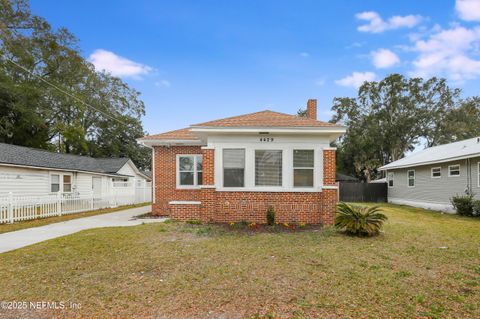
(270,216)
(194,222)
(476,208)
(359,221)
(463,204)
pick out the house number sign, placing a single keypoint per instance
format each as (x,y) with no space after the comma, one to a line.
(266,139)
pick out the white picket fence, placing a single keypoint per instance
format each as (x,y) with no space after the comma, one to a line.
(15,208)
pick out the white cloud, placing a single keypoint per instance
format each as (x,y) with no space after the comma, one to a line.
(356,79)
(304,54)
(117,65)
(377,25)
(163,83)
(384,58)
(449,53)
(468,10)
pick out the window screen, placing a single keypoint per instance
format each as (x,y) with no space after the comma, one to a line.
(303,162)
(268,168)
(233,168)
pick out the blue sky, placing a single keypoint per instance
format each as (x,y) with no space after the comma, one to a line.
(195,61)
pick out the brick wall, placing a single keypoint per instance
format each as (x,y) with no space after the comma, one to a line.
(330,196)
(225,206)
(185,212)
(165,178)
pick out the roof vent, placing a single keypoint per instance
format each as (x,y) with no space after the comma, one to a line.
(478,139)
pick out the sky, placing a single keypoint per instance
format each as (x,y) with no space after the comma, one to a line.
(195,61)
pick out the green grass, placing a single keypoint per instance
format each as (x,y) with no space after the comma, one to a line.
(5,228)
(424,265)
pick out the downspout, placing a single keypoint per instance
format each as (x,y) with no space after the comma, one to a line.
(469,177)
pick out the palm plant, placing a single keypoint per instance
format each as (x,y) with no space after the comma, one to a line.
(359,221)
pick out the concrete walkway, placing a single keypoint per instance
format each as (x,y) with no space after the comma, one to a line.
(25,237)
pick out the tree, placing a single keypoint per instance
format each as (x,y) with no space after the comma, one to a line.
(96,106)
(460,123)
(302,112)
(388,119)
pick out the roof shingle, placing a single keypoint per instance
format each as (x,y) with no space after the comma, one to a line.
(182,134)
(266,118)
(26,156)
(260,119)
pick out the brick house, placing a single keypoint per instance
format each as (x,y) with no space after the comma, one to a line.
(232,169)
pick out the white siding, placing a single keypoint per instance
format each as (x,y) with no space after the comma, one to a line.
(24,180)
(84,183)
(30,181)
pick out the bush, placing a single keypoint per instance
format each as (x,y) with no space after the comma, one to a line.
(476,208)
(194,222)
(270,216)
(463,204)
(359,221)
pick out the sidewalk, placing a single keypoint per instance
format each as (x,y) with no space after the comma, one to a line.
(25,237)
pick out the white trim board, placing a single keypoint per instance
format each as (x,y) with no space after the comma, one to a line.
(184,202)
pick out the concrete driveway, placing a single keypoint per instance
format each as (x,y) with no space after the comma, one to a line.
(25,237)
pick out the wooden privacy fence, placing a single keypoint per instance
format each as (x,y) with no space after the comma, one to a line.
(15,208)
(363,192)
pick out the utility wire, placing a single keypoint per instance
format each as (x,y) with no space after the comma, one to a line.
(63,91)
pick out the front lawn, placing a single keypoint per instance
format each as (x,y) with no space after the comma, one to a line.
(424,265)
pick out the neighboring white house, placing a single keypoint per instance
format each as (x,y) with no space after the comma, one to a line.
(32,172)
(429,178)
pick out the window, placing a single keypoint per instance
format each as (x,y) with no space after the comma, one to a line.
(390,179)
(268,168)
(233,168)
(303,168)
(54,183)
(411,178)
(67,183)
(189,170)
(454,170)
(436,172)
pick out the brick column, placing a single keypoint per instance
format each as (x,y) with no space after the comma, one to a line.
(329,194)
(208,192)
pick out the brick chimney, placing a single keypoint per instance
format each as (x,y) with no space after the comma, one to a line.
(312,109)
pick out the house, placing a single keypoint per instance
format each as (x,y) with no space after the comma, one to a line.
(233,169)
(30,171)
(430,178)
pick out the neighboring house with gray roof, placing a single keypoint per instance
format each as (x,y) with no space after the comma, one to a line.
(30,171)
(431,177)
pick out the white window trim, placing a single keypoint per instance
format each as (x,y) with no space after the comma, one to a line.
(255,170)
(431,172)
(71,183)
(244,168)
(393,179)
(459,170)
(59,183)
(195,172)
(312,168)
(287,166)
(478,174)
(408,178)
